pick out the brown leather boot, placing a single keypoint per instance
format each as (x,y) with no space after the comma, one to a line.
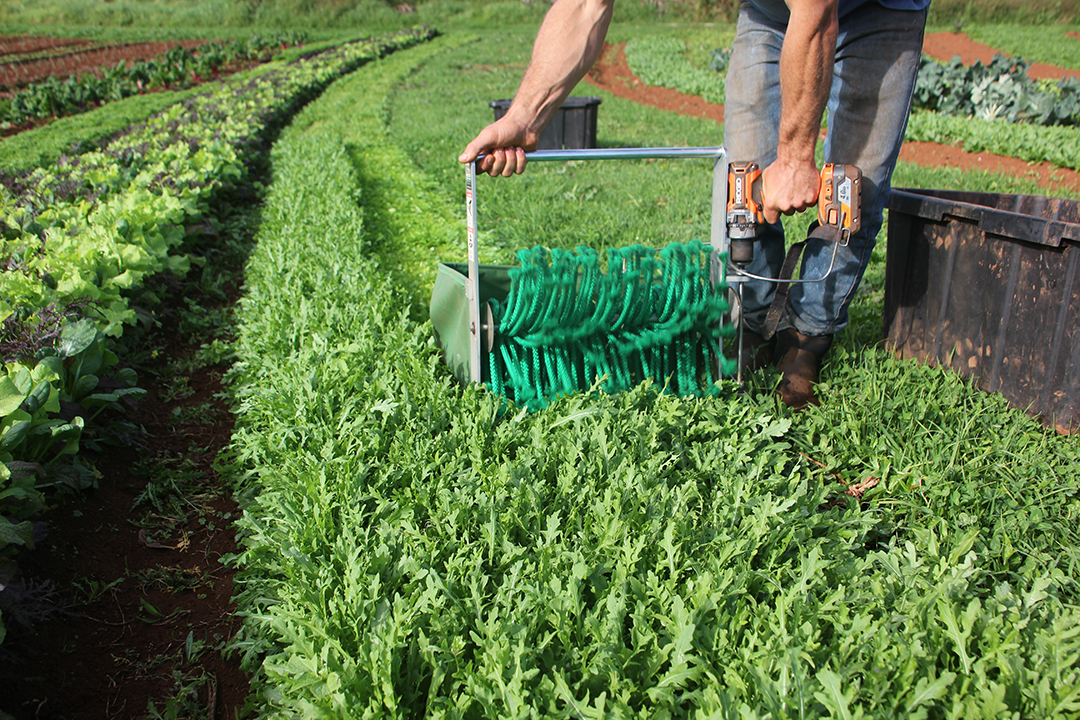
(799,358)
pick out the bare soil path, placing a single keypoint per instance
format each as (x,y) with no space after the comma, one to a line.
(947,45)
(126,604)
(78,62)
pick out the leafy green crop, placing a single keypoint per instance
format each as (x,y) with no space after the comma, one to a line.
(75,134)
(659,60)
(46,401)
(1033,143)
(32,430)
(415,548)
(1000,90)
(179,66)
(94,225)
(87,230)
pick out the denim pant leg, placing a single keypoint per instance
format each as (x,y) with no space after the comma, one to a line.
(877,57)
(751,130)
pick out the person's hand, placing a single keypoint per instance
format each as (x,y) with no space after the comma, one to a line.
(788,188)
(503,145)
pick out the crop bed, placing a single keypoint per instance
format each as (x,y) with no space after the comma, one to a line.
(67,61)
(409,547)
(412,548)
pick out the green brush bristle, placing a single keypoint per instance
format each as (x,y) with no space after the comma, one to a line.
(567,323)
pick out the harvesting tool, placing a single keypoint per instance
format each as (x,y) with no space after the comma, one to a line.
(564,321)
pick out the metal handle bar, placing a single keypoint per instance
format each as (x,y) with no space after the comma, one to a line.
(622,153)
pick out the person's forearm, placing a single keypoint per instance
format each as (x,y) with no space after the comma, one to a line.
(806,68)
(569,42)
(790,183)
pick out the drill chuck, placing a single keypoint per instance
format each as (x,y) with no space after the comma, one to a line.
(741,251)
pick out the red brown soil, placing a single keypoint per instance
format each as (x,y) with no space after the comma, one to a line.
(83,61)
(19,44)
(112,656)
(612,73)
(945,46)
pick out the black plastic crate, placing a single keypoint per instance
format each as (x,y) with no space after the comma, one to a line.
(988,285)
(573,127)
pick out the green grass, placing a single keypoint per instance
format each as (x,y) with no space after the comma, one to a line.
(959,14)
(213,16)
(217,16)
(1047,44)
(169,28)
(444,105)
(210,16)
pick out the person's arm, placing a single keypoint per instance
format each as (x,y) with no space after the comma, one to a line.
(791,183)
(568,43)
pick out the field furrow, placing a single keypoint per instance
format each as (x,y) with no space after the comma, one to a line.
(93,61)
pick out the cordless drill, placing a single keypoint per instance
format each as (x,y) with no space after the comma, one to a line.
(839,198)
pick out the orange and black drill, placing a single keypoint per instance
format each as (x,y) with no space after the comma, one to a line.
(838,206)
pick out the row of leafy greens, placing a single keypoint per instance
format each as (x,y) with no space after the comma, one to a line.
(414,548)
(81,235)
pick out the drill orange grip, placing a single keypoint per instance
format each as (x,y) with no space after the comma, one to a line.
(744,207)
(840,199)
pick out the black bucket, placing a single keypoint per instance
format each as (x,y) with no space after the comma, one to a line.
(572,128)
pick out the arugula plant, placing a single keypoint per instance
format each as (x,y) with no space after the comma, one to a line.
(661,61)
(412,547)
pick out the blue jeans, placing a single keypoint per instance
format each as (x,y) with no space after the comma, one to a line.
(877,58)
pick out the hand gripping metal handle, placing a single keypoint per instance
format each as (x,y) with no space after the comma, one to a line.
(717,230)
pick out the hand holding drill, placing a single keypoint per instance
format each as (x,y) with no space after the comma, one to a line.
(838,203)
